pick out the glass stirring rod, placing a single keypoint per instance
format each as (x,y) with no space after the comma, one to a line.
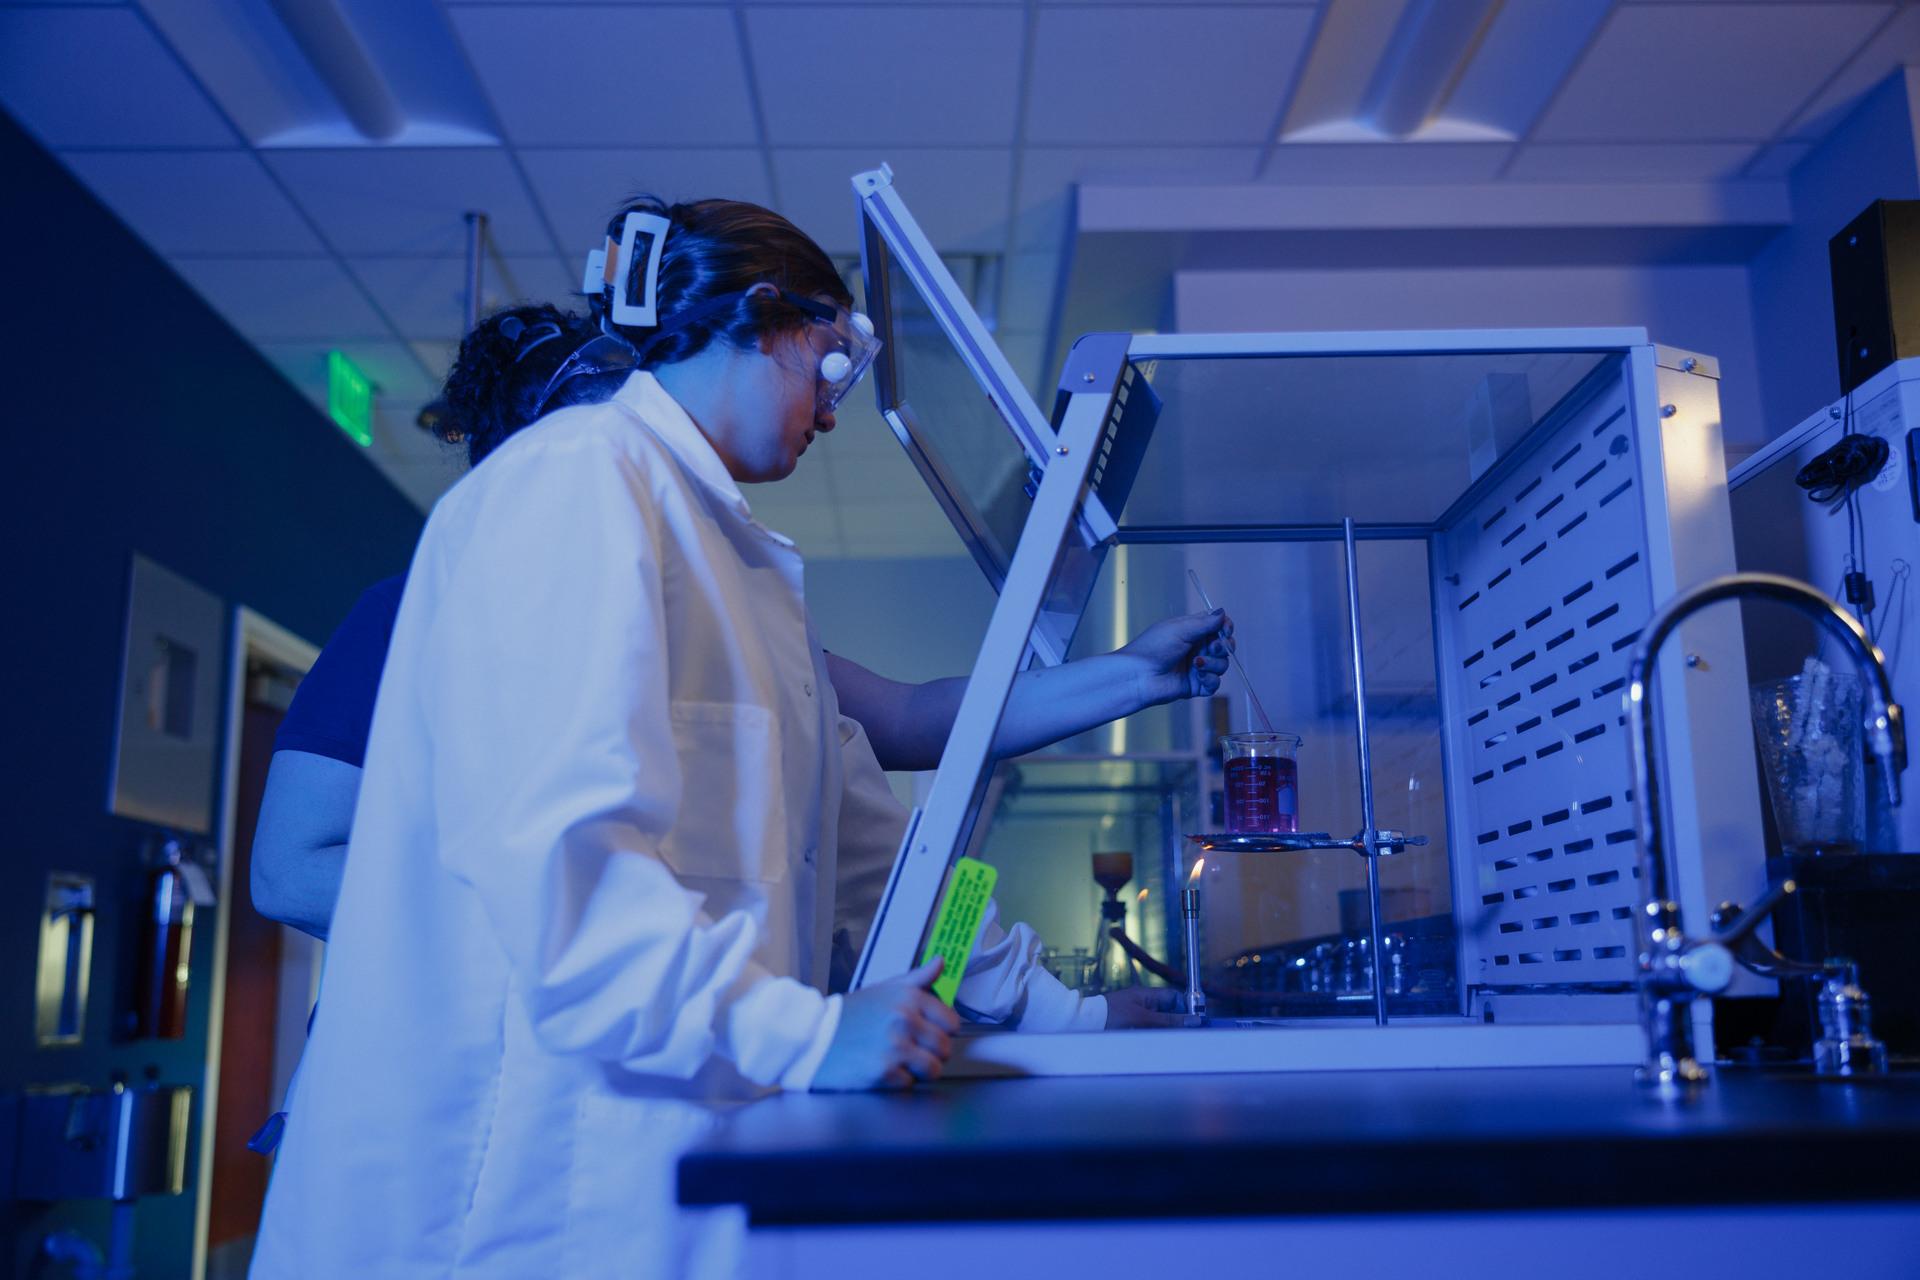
(1233,656)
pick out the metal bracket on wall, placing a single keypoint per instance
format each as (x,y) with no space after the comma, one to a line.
(64,972)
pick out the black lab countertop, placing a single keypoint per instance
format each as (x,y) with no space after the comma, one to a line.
(1307,1143)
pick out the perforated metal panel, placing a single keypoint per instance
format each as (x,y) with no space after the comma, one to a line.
(1543,585)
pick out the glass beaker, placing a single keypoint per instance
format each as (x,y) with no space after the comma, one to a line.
(1810,734)
(1262,782)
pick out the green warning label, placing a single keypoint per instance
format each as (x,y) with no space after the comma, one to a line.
(957,927)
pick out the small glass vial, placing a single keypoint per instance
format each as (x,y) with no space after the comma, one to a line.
(1262,783)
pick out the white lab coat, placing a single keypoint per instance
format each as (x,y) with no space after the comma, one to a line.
(573,929)
(582,909)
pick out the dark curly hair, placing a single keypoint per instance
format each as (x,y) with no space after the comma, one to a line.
(495,386)
(720,247)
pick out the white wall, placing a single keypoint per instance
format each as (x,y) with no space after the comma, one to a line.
(1702,308)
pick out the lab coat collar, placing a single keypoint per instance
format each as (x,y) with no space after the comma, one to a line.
(643,395)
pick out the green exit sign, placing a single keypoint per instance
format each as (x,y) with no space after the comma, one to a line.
(350,398)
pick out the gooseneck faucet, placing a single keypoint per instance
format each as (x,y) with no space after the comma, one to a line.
(1675,969)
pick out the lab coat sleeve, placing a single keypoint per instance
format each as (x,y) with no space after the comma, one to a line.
(556,779)
(1006,983)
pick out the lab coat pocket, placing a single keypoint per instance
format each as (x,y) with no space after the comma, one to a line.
(731,823)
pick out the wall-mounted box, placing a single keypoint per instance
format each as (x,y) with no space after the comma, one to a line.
(164,755)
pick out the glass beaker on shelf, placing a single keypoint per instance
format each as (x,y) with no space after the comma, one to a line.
(1810,734)
(1262,782)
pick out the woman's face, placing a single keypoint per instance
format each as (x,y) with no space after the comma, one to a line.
(783,386)
(760,407)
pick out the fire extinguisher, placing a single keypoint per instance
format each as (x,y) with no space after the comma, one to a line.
(167,944)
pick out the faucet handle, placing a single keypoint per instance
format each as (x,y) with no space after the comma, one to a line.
(1733,924)
(1735,928)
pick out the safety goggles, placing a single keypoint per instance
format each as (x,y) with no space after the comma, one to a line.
(603,353)
(849,350)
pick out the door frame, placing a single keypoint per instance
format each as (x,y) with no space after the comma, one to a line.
(253,635)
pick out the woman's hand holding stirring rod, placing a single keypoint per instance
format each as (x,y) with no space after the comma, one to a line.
(1234,656)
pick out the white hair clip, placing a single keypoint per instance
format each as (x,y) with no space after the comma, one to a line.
(639,233)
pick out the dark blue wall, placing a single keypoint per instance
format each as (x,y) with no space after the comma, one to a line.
(134,420)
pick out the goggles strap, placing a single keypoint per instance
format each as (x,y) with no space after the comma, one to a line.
(578,362)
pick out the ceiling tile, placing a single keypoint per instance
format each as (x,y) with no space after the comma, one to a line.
(130,91)
(285,299)
(1162,75)
(581,189)
(412,201)
(1385,163)
(1046,173)
(148,189)
(607,76)
(1897,45)
(959,196)
(436,357)
(1778,160)
(426,298)
(917,67)
(1636,162)
(1718,72)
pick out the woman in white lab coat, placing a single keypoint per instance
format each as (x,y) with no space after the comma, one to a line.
(585,903)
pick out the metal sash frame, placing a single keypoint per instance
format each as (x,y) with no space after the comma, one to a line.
(944,823)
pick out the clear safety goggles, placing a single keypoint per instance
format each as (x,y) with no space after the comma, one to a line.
(603,353)
(847,347)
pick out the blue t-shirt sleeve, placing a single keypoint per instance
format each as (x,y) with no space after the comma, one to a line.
(332,710)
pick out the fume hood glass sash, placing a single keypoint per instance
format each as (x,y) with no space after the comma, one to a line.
(944,825)
(981,456)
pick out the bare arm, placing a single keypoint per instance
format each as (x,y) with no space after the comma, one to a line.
(908,724)
(300,844)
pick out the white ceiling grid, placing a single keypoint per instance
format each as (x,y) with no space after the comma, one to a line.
(200,124)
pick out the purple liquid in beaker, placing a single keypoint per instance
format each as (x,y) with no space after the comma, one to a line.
(1262,795)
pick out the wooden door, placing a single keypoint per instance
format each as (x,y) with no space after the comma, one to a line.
(252,1005)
